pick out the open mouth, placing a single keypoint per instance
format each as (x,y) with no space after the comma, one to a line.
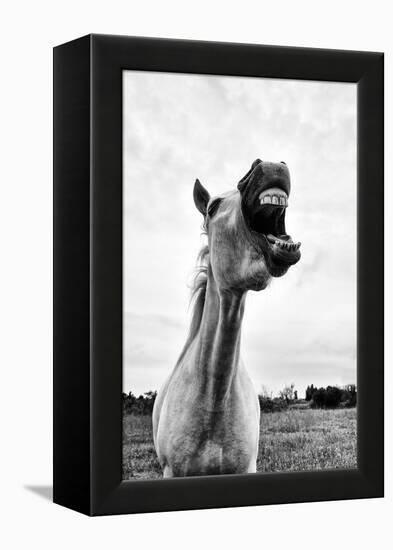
(265,190)
(268,219)
(266,222)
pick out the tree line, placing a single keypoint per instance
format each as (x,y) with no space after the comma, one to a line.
(141,405)
(330,397)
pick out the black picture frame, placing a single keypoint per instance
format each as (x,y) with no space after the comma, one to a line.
(88,274)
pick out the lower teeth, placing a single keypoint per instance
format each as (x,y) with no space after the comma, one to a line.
(284,245)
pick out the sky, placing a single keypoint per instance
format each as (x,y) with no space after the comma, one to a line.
(179,127)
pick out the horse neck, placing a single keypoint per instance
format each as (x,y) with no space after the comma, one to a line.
(218,342)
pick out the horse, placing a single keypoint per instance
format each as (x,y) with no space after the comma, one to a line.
(206,418)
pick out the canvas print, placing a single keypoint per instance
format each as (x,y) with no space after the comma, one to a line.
(239,275)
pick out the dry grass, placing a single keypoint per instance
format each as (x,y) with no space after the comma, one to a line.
(306,439)
(297,439)
(139,456)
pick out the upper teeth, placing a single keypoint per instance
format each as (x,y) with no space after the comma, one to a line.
(273,198)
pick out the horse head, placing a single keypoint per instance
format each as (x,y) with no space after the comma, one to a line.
(248,243)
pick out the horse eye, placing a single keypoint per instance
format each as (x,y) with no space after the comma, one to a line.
(213,207)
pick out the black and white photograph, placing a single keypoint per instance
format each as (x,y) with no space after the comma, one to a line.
(239,275)
(195,275)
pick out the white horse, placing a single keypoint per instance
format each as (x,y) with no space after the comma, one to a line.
(206,417)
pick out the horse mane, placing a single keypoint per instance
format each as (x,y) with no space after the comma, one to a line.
(198,294)
(198,290)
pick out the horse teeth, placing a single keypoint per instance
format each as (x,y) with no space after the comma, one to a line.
(291,246)
(274,196)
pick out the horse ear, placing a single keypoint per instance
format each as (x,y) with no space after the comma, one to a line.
(201,197)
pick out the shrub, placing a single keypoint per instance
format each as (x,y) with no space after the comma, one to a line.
(333,397)
(267,404)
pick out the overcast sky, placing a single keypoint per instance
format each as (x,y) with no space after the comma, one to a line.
(302,328)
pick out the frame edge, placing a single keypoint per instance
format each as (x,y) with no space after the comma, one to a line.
(71,275)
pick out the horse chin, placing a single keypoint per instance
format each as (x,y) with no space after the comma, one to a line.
(275,255)
(258,285)
(278,271)
(280,260)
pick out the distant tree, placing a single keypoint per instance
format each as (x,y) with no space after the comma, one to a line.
(349,396)
(332,397)
(309,392)
(266,392)
(295,395)
(287,393)
(150,398)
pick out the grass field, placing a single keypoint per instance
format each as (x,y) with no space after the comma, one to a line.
(295,439)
